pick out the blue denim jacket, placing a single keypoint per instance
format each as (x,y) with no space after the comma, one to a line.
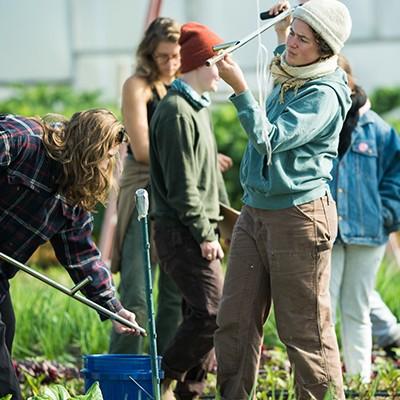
(366,183)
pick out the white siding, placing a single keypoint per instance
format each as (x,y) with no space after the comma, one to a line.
(35,40)
(91,43)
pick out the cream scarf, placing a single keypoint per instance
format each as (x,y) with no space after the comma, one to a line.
(294,77)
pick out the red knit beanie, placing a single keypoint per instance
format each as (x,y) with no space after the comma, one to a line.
(196,43)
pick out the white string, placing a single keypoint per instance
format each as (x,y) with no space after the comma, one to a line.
(264,85)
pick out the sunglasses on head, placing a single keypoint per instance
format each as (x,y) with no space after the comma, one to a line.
(122,136)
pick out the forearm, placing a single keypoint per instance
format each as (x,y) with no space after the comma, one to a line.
(79,255)
(281,36)
(253,120)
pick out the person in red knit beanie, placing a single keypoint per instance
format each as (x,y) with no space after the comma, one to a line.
(196,43)
(187,187)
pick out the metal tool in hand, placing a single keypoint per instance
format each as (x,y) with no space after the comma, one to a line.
(73,293)
(230,47)
(142,206)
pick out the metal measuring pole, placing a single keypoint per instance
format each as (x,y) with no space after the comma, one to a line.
(142,205)
(73,293)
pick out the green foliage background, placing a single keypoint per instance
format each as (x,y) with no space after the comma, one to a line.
(232,141)
(386,101)
(38,100)
(41,99)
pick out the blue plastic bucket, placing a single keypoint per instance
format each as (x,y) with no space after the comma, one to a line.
(121,376)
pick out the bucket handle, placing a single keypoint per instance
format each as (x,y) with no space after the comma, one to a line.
(141,388)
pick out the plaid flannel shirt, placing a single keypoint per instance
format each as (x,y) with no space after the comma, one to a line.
(32,212)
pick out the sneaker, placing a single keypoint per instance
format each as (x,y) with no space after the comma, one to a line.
(390,350)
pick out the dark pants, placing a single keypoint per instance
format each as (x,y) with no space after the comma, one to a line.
(8,379)
(188,356)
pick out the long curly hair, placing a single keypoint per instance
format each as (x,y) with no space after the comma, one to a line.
(81,145)
(162,29)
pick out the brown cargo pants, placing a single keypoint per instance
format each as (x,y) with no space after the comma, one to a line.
(280,256)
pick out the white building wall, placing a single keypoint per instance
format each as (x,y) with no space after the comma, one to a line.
(91,43)
(35,41)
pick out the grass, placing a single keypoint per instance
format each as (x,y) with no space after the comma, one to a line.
(52,325)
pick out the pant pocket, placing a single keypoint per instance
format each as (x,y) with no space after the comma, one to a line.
(326,224)
(167,243)
(294,293)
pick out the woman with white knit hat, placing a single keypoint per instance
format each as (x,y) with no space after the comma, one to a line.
(282,241)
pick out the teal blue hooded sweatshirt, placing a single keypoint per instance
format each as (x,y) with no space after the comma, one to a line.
(304,134)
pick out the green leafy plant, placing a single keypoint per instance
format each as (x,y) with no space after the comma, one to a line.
(58,392)
(385,99)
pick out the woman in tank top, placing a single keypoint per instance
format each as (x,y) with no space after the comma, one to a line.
(157,64)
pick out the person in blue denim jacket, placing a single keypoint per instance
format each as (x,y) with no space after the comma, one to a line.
(366,187)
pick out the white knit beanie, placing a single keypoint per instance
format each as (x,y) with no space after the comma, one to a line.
(329,18)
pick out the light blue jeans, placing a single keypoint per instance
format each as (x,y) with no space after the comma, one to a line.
(385,328)
(352,285)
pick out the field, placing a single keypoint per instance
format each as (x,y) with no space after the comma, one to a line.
(53,331)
